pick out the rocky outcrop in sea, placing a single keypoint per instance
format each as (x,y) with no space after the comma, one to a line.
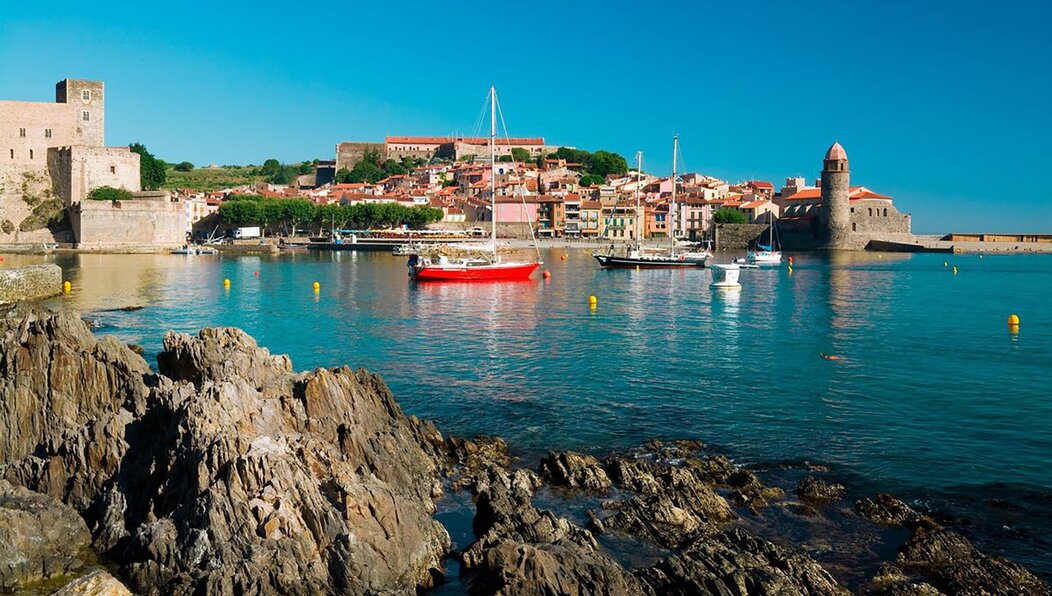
(224,471)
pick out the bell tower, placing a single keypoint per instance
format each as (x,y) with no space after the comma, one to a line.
(835,216)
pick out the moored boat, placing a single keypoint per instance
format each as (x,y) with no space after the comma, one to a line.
(489,267)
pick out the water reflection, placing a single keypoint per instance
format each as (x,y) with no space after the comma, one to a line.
(929,390)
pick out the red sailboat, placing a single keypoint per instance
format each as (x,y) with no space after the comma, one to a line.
(476,268)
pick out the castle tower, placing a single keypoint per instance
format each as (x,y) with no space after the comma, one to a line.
(87,101)
(835,217)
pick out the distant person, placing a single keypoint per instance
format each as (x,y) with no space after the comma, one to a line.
(830,356)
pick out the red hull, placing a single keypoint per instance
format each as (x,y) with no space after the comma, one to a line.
(497,272)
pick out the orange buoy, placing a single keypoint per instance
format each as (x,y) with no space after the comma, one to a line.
(547,274)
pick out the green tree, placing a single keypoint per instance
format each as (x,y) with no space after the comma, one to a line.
(606,163)
(108,193)
(592,180)
(343,176)
(728,215)
(520,155)
(239,213)
(366,171)
(297,211)
(151,170)
(183,166)
(270,167)
(504,158)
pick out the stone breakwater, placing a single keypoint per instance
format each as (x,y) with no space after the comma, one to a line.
(32,282)
(223,471)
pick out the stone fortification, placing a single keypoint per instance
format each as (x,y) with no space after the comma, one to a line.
(151,219)
(835,213)
(51,156)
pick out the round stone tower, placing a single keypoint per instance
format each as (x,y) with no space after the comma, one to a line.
(835,217)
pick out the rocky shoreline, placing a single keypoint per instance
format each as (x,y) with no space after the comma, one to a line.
(224,471)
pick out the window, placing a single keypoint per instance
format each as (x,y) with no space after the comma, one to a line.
(12,154)
(22,132)
(85,115)
(885,212)
(47,133)
(113,169)
(30,154)
(871,212)
(853,227)
(86,96)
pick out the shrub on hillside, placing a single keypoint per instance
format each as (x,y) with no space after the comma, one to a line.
(108,193)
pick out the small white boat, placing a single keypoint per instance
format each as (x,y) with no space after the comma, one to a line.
(195,250)
(725,277)
(765,257)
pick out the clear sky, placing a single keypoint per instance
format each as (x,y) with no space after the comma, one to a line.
(942,104)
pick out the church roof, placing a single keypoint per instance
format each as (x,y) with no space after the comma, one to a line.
(836,152)
(856,193)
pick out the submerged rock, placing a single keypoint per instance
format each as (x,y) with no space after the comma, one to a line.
(228,472)
(818,491)
(97,583)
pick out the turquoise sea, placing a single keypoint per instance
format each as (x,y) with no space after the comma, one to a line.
(934,397)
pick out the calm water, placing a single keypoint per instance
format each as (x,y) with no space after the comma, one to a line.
(933,390)
(934,398)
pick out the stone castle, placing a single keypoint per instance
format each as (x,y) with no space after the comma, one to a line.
(52,154)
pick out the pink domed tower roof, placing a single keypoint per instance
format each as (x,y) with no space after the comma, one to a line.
(836,152)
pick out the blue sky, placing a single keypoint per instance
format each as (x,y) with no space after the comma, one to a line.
(943,105)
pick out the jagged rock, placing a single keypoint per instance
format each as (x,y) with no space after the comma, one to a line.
(573,470)
(956,567)
(891,581)
(735,562)
(522,550)
(65,398)
(817,490)
(96,583)
(889,511)
(468,459)
(236,476)
(40,538)
(673,506)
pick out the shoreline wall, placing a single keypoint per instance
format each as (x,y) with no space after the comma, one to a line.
(31,282)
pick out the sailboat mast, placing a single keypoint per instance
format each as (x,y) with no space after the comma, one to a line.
(493,167)
(639,167)
(672,205)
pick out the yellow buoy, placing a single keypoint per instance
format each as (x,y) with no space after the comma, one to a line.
(1013,320)
(66,287)
(944,263)
(226,283)
(317,287)
(593,301)
(955,269)
(637,267)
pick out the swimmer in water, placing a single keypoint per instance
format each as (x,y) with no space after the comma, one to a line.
(829,356)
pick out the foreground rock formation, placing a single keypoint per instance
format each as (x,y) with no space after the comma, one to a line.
(225,473)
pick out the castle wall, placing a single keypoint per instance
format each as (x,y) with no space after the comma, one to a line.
(350,153)
(152,219)
(92,167)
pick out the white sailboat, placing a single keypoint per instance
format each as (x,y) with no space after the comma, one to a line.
(767,253)
(637,256)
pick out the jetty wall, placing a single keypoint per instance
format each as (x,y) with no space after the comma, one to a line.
(32,282)
(150,220)
(738,236)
